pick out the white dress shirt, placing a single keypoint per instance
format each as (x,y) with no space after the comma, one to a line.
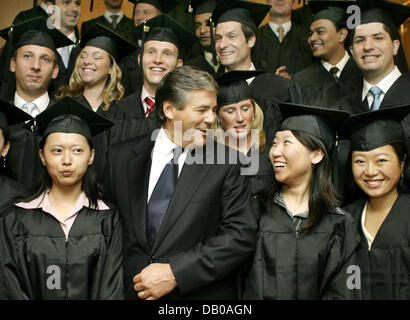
(384,85)
(162,153)
(340,65)
(108,14)
(41,102)
(73,38)
(144,94)
(368,236)
(252,68)
(286,28)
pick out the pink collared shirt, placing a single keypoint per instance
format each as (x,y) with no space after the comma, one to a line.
(43,202)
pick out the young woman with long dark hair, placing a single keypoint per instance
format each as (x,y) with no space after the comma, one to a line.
(305,242)
(63,242)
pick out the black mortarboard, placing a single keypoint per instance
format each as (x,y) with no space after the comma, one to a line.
(163,28)
(321,123)
(373,129)
(390,13)
(246,12)
(10,114)
(333,10)
(35,32)
(233,86)
(108,40)
(70,116)
(162,5)
(203,6)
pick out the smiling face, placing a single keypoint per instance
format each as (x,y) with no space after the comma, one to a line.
(377,172)
(231,46)
(144,12)
(34,67)
(325,41)
(94,65)
(236,119)
(195,118)
(159,58)
(67,157)
(70,13)
(374,50)
(292,161)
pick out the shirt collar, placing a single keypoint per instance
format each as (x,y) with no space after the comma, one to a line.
(41,102)
(44,7)
(278,199)
(384,84)
(108,14)
(340,65)
(286,27)
(43,202)
(163,144)
(252,68)
(144,94)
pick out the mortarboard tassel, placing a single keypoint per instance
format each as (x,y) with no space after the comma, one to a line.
(211,26)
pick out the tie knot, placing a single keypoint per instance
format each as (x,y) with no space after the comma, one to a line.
(114,17)
(30,108)
(281,32)
(334,70)
(376,91)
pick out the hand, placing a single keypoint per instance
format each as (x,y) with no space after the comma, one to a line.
(154,281)
(281,71)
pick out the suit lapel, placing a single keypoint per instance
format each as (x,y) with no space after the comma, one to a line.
(138,169)
(183,193)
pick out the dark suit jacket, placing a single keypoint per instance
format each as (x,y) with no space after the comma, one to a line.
(208,230)
(125,27)
(64,73)
(201,63)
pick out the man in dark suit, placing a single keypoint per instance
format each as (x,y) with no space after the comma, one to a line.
(114,19)
(187,219)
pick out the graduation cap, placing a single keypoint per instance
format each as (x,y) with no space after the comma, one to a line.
(333,10)
(34,32)
(246,12)
(373,129)
(321,123)
(10,114)
(162,5)
(108,40)
(69,116)
(202,6)
(164,28)
(233,86)
(391,14)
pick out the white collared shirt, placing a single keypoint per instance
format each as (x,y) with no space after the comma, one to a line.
(384,85)
(340,65)
(108,14)
(45,7)
(368,236)
(286,28)
(162,153)
(144,94)
(41,102)
(73,38)
(252,68)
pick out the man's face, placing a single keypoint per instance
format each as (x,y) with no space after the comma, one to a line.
(202,29)
(113,4)
(70,12)
(324,40)
(159,58)
(196,118)
(373,49)
(231,46)
(33,67)
(144,12)
(280,7)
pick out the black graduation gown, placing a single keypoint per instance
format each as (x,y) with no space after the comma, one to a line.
(10,190)
(125,27)
(385,269)
(201,63)
(268,85)
(294,52)
(131,74)
(294,265)
(34,248)
(265,174)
